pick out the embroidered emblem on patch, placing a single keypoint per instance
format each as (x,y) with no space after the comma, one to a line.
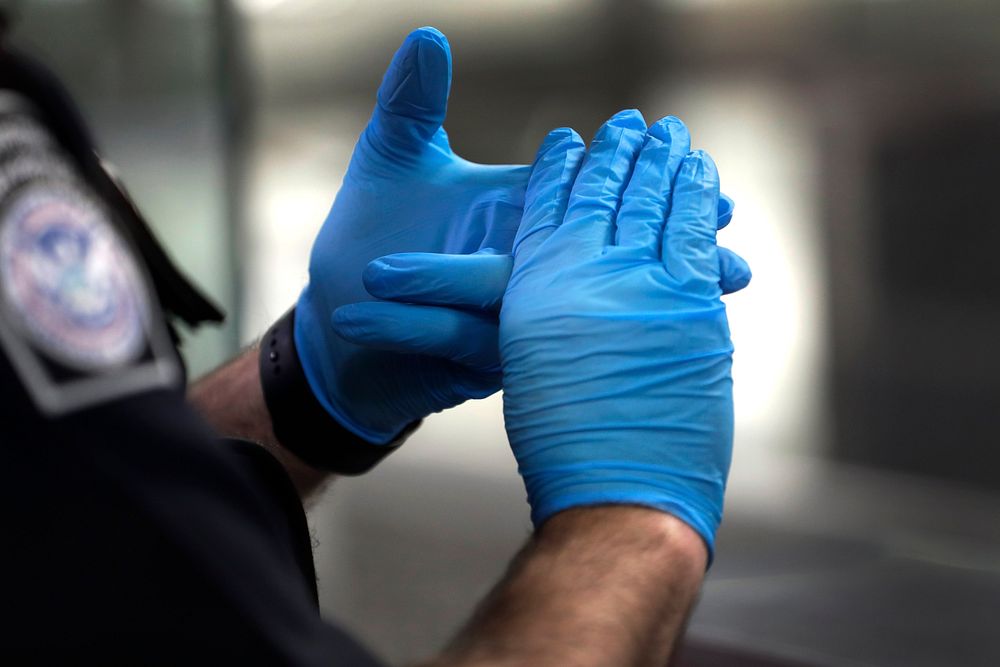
(70,282)
(75,310)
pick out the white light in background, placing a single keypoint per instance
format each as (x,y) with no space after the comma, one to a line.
(323,8)
(699,4)
(300,161)
(258,7)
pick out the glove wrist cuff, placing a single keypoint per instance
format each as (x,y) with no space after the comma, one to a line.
(300,422)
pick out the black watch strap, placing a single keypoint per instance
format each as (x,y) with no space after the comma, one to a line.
(300,423)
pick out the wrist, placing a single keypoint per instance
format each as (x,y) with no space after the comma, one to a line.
(336,376)
(623,529)
(696,502)
(231,400)
(301,423)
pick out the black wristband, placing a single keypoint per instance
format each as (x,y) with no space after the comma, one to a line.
(300,423)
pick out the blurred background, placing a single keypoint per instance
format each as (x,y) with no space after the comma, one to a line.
(861,142)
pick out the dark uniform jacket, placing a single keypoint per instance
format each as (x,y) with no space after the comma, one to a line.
(131,534)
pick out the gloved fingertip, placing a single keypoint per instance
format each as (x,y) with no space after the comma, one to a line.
(433,50)
(342,317)
(726,208)
(554,137)
(418,80)
(735,273)
(562,137)
(705,158)
(726,204)
(431,34)
(698,166)
(669,129)
(423,46)
(734,283)
(629,119)
(347,323)
(373,275)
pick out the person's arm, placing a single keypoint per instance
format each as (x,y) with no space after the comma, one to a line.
(616,360)
(231,400)
(595,586)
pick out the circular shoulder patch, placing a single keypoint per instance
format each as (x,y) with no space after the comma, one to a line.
(68,280)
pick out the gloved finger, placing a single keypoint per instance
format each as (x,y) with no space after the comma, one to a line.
(467,281)
(726,208)
(413,98)
(734,272)
(593,204)
(552,176)
(466,337)
(689,251)
(647,196)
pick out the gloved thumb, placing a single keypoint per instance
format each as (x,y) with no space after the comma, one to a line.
(413,98)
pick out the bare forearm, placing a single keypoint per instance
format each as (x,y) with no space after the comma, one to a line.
(230,398)
(596,586)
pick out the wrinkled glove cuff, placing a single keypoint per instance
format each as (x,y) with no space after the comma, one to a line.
(300,422)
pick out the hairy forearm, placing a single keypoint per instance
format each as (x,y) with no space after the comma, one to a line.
(595,586)
(230,398)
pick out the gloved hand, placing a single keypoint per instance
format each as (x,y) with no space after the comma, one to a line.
(615,344)
(405,190)
(446,306)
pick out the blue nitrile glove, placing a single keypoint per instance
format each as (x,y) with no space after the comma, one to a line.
(613,338)
(446,306)
(615,345)
(405,190)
